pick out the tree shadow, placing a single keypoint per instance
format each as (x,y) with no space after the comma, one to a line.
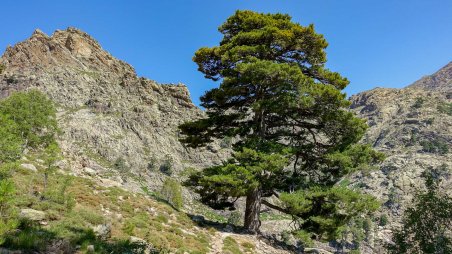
(270,239)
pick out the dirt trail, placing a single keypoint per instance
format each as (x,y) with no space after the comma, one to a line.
(261,247)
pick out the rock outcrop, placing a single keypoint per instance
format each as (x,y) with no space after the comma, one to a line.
(113,122)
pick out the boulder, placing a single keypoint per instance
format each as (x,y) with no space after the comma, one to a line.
(32,214)
(29,167)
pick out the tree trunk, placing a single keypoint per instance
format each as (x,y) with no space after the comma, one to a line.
(253,207)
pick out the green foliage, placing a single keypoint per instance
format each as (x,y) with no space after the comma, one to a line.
(235,219)
(8,216)
(434,146)
(246,171)
(324,211)
(281,103)
(34,115)
(305,238)
(2,68)
(418,103)
(11,144)
(51,155)
(426,226)
(167,166)
(152,164)
(120,165)
(445,108)
(383,220)
(172,192)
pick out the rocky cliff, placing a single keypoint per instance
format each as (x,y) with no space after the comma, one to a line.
(413,127)
(115,125)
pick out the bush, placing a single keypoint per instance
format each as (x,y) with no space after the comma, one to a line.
(8,219)
(172,192)
(2,68)
(383,220)
(305,238)
(418,103)
(434,146)
(235,218)
(445,108)
(120,164)
(167,165)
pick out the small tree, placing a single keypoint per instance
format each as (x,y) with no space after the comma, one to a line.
(426,226)
(52,154)
(172,192)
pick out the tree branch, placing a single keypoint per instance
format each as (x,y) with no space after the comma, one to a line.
(265,202)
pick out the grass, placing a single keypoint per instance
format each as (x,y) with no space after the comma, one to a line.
(266,216)
(72,212)
(230,246)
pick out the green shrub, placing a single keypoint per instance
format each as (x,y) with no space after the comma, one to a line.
(445,108)
(152,164)
(167,166)
(383,220)
(418,103)
(120,164)
(8,219)
(434,146)
(2,68)
(235,218)
(172,192)
(305,238)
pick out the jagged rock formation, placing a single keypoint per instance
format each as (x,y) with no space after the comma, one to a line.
(413,127)
(110,118)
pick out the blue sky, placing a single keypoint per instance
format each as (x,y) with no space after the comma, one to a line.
(388,43)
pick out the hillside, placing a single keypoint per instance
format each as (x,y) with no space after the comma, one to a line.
(413,127)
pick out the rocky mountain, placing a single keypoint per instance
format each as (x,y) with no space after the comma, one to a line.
(413,127)
(114,124)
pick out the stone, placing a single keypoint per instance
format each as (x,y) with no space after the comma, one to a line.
(31,214)
(90,248)
(102,231)
(29,167)
(89,171)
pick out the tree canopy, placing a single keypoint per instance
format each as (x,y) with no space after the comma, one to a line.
(281,105)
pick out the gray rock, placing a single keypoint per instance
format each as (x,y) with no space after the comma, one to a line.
(29,167)
(102,231)
(33,215)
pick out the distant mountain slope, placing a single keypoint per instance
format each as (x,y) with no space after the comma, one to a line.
(439,81)
(413,126)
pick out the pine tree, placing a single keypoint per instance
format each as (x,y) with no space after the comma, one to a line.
(281,104)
